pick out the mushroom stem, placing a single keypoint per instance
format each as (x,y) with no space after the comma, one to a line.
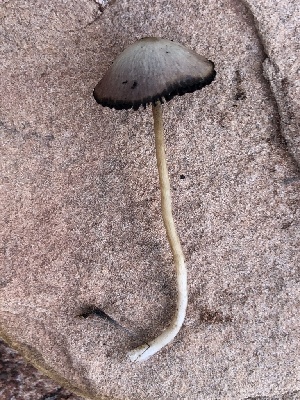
(147,350)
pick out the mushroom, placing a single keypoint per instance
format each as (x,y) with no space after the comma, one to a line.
(148,72)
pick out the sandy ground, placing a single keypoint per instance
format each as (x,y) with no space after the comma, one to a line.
(80,211)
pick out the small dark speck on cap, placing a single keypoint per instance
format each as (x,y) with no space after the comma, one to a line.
(134,85)
(124,82)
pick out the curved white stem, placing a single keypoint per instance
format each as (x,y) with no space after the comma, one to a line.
(147,350)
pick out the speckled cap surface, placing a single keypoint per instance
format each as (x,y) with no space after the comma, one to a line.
(152,69)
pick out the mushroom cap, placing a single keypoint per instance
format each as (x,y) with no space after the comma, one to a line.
(152,69)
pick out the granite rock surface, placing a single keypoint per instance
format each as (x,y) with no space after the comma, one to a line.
(80,213)
(21,381)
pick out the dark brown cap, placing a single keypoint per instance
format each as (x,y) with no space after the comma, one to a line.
(152,69)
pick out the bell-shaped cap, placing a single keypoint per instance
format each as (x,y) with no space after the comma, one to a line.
(152,69)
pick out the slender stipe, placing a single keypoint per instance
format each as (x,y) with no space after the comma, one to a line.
(147,350)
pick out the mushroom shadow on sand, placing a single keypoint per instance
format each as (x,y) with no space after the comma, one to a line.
(148,72)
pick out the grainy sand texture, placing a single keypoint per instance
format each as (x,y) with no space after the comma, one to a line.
(80,218)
